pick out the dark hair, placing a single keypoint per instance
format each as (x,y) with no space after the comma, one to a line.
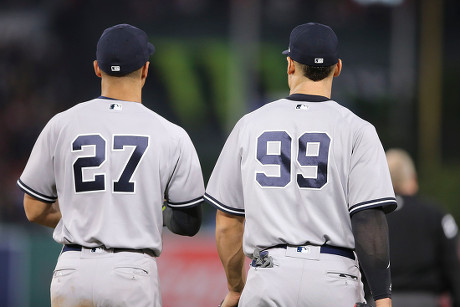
(316,73)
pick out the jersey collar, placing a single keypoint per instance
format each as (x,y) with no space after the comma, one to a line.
(305,97)
(108,98)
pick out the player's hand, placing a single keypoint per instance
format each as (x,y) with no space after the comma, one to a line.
(231,299)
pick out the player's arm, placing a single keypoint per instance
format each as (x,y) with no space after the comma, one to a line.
(229,240)
(370,230)
(46,214)
(183,221)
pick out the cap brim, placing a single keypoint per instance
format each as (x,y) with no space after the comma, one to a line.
(151,48)
(285,52)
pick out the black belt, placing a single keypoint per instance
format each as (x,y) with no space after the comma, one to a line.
(78,248)
(327,249)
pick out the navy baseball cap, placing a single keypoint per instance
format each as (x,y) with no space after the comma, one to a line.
(122,49)
(313,44)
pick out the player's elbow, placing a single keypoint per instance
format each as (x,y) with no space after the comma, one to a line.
(34,209)
(32,216)
(228,224)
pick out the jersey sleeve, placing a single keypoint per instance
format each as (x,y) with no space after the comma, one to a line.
(369,181)
(186,186)
(225,188)
(38,178)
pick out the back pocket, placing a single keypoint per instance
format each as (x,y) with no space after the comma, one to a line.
(131,272)
(63,272)
(342,276)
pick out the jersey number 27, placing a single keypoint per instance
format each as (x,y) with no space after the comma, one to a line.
(123,184)
(312,150)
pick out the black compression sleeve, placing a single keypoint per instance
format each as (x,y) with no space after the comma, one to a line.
(370,230)
(183,221)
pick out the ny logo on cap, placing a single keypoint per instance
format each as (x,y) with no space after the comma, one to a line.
(319,60)
(115,68)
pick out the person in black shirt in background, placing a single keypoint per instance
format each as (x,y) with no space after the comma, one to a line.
(423,242)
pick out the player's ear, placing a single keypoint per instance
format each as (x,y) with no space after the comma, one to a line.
(145,70)
(291,66)
(97,70)
(338,68)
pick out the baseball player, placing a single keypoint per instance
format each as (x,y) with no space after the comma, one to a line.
(100,172)
(302,187)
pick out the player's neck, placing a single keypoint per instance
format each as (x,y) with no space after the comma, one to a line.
(308,87)
(122,90)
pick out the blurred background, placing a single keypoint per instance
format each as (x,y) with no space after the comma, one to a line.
(216,60)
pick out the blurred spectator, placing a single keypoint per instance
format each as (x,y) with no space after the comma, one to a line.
(423,243)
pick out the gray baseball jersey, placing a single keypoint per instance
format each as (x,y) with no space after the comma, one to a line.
(297,169)
(111,164)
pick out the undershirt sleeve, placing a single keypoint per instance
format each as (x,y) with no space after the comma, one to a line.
(370,230)
(183,221)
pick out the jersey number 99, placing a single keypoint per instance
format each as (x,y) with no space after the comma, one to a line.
(312,150)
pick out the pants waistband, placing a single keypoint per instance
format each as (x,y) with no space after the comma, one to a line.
(325,249)
(78,248)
